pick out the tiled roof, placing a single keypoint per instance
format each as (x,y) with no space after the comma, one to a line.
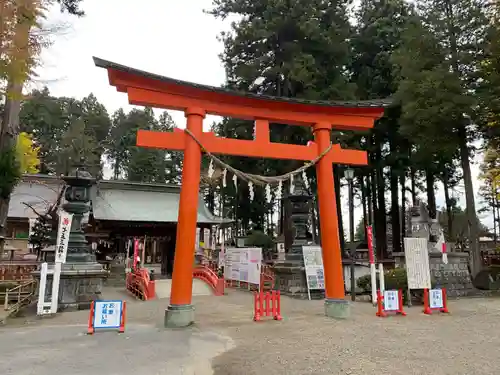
(349,104)
(124,201)
(111,200)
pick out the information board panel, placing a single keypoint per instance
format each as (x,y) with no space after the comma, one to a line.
(417,263)
(313,264)
(243,264)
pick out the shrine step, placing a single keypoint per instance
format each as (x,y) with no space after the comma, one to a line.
(164,286)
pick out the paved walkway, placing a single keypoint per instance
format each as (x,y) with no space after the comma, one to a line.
(306,342)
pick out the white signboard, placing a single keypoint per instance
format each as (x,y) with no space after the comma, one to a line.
(206,238)
(243,264)
(417,263)
(313,264)
(65,220)
(391,300)
(436,299)
(107,314)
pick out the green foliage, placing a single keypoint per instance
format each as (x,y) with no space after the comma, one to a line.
(65,130)
(40,237)
(360,233)
(394,279)
(10,172)
(259,239)
(294,49)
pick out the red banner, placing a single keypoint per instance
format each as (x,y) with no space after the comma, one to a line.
(369,235)
(136,253)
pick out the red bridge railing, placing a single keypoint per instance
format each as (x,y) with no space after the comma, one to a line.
(140,284)
(208,275)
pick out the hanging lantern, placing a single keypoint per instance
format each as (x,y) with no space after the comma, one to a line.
(304,178)
(211,169)
(235,181)
(250,191)
(268,193)
(292,186)
(224,175)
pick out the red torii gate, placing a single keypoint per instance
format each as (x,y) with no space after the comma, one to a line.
(198,100)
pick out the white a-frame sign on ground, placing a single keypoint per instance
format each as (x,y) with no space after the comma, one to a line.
(65,220)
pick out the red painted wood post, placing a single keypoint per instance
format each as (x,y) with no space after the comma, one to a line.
(427,309)
(122,321)
(401,308)
(445,301)
(256,305)
(380,308)
(90,329)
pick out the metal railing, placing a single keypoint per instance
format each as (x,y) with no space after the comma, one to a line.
(18,296)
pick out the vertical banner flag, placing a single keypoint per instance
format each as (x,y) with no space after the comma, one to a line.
(369,234)
(65,220)
(136,253)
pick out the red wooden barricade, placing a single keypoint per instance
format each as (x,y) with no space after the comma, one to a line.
(267,304)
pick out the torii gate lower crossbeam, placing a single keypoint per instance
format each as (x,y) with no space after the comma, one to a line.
(196,101)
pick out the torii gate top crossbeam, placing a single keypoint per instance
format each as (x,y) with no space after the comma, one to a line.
(153,90)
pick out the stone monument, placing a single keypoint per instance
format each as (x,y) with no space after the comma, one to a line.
(290,272)
(455,275)
(81,276)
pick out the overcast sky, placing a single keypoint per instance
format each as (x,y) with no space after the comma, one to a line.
(171,38)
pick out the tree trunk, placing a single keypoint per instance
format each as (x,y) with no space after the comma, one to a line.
(381,214)
(369,199)
(395,218)
(413,177)
(364,204)
(9,131)
(476,261)
(336,176)
(431,194)
(449,213)
(402,181)
(494,222)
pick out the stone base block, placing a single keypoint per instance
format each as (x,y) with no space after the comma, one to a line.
(291,281)
(80,285)
(337,308)
(179,316)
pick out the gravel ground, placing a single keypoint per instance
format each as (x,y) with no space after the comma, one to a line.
(306,342)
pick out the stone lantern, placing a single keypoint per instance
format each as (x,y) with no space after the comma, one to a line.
(290,272)
(81,276)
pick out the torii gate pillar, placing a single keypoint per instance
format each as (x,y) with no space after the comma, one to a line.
(195,100)
(180,312)
(335,304)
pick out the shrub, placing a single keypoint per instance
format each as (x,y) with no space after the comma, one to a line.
(394,279)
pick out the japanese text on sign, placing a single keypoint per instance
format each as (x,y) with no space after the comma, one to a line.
(107,314)
(313,263)
(417,263)
(65,220)
(391,300)
(436,299)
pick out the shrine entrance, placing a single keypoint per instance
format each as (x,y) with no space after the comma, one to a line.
(196,101)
